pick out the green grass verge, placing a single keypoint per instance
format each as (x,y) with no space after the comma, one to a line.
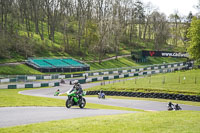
(151,122)
(10,98)
(161,83)
(17,70)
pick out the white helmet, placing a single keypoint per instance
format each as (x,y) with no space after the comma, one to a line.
(75,81)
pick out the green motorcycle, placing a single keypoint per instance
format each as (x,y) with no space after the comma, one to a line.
(75,100)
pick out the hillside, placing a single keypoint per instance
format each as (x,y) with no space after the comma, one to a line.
(42,29)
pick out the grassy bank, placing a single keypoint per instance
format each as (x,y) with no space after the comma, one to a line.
(21,69)
(151,122)
(182,82)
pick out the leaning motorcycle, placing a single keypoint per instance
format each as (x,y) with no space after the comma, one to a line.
(101,95)
(75,100)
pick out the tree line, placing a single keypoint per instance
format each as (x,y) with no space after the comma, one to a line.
(86,26)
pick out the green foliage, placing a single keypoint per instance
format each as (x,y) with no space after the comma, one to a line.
(151,122)
(194,36)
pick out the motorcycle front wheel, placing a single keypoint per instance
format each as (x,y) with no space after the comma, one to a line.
(83,103)
(68,103)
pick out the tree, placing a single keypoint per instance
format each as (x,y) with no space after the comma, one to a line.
(194,36)
(160,29)
(175,26)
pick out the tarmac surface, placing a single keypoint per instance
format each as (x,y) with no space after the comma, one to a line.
(12,116)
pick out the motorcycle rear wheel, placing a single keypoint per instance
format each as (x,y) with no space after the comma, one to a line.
(83,103)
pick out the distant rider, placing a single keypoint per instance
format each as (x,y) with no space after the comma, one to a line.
(170,105)
(177,107)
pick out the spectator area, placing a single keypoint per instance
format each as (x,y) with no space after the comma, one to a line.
(57,64)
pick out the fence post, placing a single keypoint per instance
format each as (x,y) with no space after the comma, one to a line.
(164,80)
(179,79)
(150,79)
(195,80)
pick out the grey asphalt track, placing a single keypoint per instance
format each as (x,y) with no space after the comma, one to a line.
(137,104)
(13,116)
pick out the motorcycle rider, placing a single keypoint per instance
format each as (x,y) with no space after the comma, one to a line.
(77,86)
(101,94)
(177,107)
(170,105)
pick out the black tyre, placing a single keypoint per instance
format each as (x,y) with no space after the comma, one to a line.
(83,103)
(68,103)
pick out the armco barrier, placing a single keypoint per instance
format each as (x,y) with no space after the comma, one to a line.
(131,74)
(32,85)
(41,77)
(149,95)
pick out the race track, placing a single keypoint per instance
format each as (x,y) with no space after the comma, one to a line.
(12,116)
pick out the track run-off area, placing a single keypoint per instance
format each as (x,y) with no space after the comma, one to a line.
(13,116)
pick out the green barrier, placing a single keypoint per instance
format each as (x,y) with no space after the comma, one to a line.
(126,75)
(100,73)
(44,84)
(38,77)
(116,76)
(54,76)
(94,79)
(68,76)
(120,71)
(144,73)
(105,78)
(135,74)
(13,80)
(78,75)
(12,86)
(21,77)
(90,74)
(153,72)
(81,81)
(28,85)
(110,72)
(129,71)
(57,84)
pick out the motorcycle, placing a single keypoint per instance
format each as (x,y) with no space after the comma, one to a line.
(101,95)
(170,108)
(75,100)
(57,93)
(176,107)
